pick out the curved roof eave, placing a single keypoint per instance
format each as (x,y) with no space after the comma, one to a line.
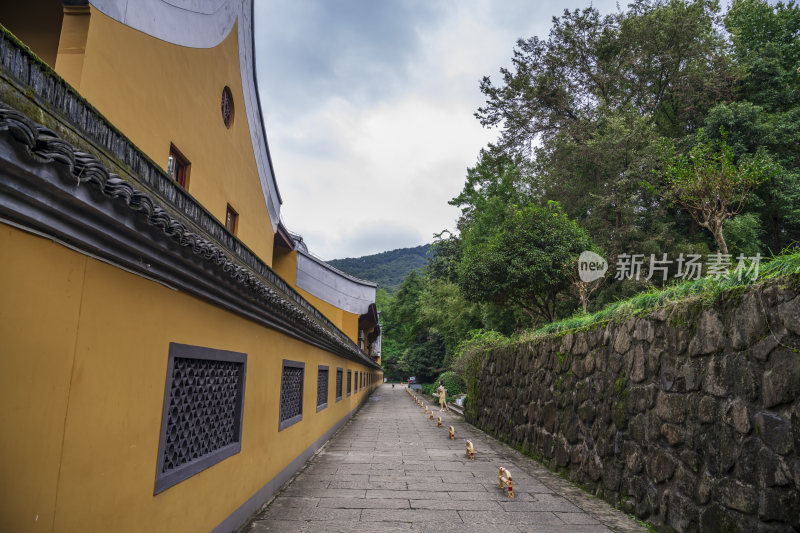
(205,24)
(336,271)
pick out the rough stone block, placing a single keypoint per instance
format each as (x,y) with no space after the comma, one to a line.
(550,416)
(622,341)
(586,412)
(764,347)
(707,409)
(790,313)
(672,434)
(708,337)
(796,473)
(561,452)
(660,314)
(653,428)
(677,339)
(775,431)
(644,331)
(734,494)
(637,428)
(594,467)
(580,346)
(734,413)
(690,459)
(780,505)
(660,466)
(588,363)
(705,488)
(717,519)
(685,481)
(721,445)
(671,407)
(691,379)
(772,470)
(682,514)
(781,383)
(715,381)
(746,468)
(569,427)
(612,474)
(747,323)
(634,459)
(638,366)
(668,374)
(654,358)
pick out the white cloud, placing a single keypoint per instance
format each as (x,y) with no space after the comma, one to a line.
(369,141)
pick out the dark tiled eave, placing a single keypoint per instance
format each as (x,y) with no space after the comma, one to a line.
(51,124)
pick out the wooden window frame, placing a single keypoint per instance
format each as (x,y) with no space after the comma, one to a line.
(231,213)
(180,160)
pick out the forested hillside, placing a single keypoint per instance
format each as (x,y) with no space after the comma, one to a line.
(660,139)
(387,269)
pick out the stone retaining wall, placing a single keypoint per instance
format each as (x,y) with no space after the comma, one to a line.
(688,416)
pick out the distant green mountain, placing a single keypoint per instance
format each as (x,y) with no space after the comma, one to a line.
(387,269)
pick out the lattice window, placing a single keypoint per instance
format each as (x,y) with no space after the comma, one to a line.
(322,387)
(291,393)
(202,419)
(339,375)
(349,381)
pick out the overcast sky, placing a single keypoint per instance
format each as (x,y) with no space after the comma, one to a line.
(368,108)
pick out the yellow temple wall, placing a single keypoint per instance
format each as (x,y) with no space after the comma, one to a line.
(82,382)
(157,94)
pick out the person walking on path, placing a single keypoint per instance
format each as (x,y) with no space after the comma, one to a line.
(442,397)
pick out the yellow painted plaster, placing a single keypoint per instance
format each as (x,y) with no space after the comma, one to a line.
(284,263)
(86,364)
(159,93)
(41,286)
(72,44)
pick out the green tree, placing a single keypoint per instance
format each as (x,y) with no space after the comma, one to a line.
(663,59)
(424,358)
(765,42)
(445,311)
(498,179)
(523,261)
(590,102)
(710,185)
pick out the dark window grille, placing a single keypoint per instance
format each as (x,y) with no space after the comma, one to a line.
(339,376)
(202,420)
(349,381)
(322,388)
(291,393)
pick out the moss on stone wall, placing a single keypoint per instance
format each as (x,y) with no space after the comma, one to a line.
(687,415)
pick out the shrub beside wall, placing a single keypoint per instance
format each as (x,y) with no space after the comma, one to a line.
(687,416)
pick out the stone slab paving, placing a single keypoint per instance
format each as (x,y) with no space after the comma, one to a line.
(390,468)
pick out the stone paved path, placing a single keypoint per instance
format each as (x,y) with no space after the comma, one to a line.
(392,469)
